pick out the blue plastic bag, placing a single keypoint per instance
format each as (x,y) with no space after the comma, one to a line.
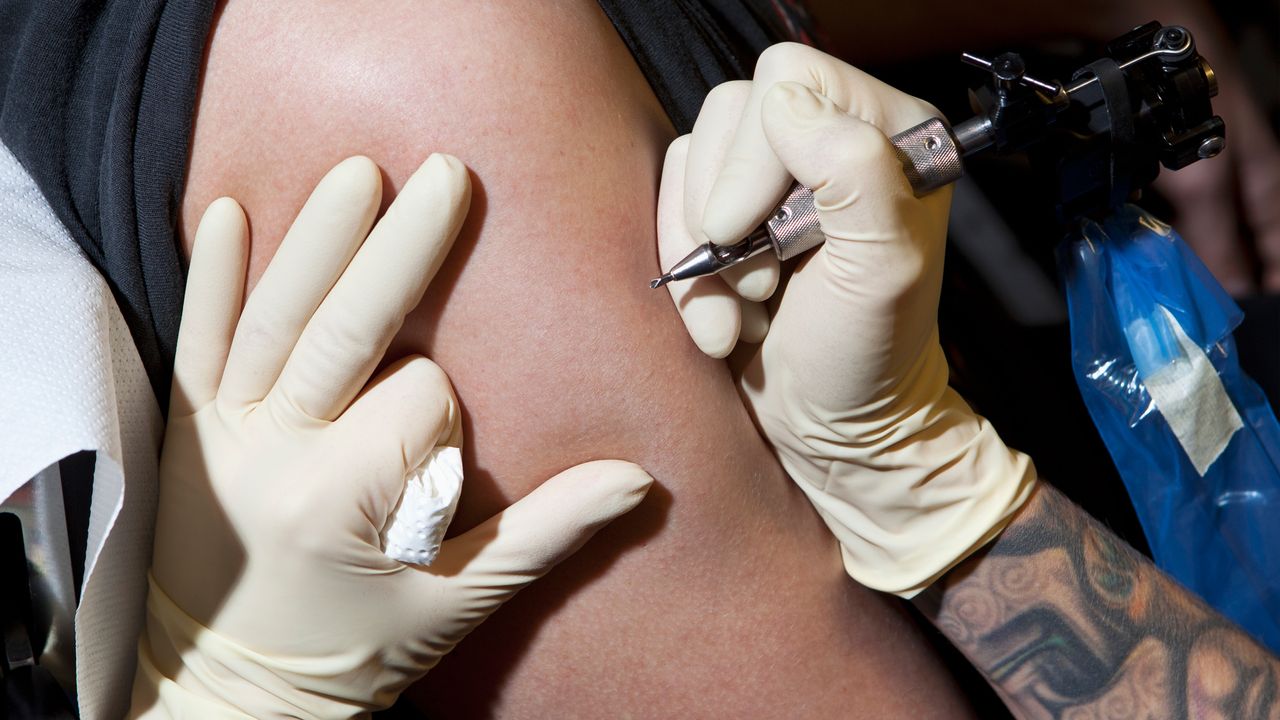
(1144,311)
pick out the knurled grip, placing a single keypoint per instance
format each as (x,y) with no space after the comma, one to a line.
(930,159)
(794,226)
(929,154)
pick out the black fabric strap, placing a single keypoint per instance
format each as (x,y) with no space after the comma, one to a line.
(1115,93)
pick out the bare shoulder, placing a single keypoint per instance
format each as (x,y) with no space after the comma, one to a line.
(291,88)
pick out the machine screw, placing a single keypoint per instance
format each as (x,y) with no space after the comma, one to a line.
(1009,67)
(1170,38)
(1211,147)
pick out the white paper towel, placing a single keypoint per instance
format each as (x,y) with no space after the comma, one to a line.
(71,380)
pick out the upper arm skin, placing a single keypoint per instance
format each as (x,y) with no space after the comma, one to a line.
(722,595)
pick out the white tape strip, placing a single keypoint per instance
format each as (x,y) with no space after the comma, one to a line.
(1190,396)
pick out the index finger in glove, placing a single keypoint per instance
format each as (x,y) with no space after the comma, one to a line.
(211,305)
(710,312)
(752,180)
(756,278)
(350,331)
(315,251)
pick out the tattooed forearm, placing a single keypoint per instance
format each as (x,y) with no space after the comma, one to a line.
(1068,622)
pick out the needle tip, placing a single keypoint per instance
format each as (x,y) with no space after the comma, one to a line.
(660,281)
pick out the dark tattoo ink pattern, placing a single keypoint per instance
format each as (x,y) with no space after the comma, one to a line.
(1068,622)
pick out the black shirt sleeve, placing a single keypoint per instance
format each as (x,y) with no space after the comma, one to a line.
(96,101)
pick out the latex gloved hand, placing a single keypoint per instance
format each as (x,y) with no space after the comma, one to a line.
(850,383)
(270,593)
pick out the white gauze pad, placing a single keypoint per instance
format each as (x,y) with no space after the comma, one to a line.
(417,525)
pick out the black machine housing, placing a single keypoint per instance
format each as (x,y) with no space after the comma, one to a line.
(1102,137)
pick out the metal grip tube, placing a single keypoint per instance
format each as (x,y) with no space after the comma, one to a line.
(929,155)
(930,159)
(794,226)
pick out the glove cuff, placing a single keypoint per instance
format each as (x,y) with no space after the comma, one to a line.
(160,697)
(187,670)
(924,504)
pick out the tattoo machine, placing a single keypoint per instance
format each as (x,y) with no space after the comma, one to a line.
(1094,140)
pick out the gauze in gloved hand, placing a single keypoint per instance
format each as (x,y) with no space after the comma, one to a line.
(270,593)
(431,491)
(850,383)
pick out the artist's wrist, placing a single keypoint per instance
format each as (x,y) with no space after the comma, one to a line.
(918,508)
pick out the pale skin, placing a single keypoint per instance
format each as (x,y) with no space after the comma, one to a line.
(723,594)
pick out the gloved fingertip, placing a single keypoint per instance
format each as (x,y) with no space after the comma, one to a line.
(444,170)
(791,114)
(440,158)
(226,203)
(757,284)
(223,217)
(728,94)
(678,147)
(359,171)
(618,486)
(709,311)
(355,184)
(446,165)
(796,100)
(711,315)
(221,244)
(714,344)
(630,483)
(626,475)
(424,374)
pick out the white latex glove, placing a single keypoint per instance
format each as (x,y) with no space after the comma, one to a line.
(850,383)
(270,594)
